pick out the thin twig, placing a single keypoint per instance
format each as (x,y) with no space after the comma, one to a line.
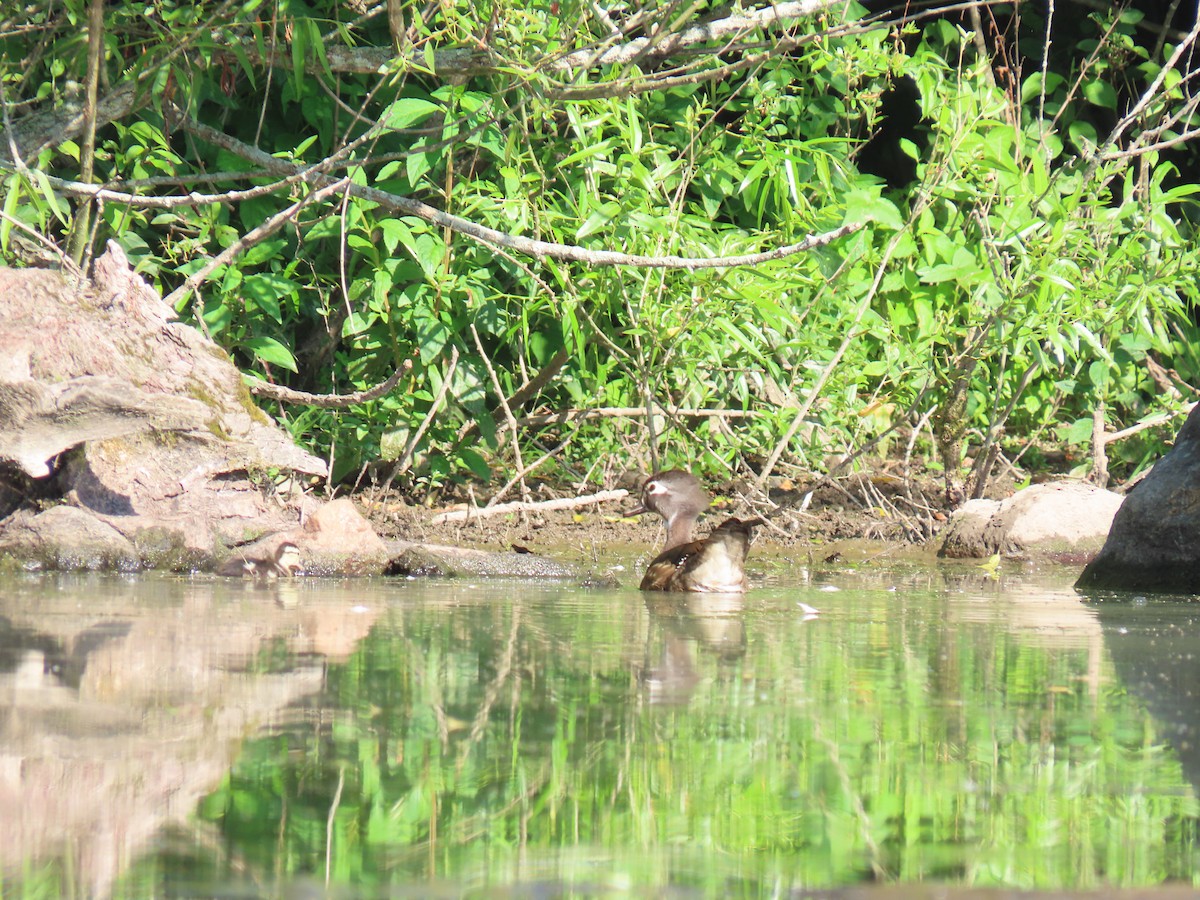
(65,261)
(1099,473)
(337,799)
(410,447)
(522,472)
(514,431)
(252,237)
(1149,423)
(632,412)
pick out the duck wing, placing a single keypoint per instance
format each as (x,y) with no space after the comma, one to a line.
(664,566)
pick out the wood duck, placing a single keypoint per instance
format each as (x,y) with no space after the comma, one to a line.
(283,563)
(716,564)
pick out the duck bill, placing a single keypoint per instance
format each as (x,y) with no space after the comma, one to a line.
(640,511)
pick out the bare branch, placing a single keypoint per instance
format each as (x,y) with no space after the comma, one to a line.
(327,401)
(634,412)
(1150,94)
(529,246)
(252,237)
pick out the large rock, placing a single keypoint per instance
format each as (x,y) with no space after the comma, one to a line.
(1050,520)
(142,423)
(1154,543)
(67,538)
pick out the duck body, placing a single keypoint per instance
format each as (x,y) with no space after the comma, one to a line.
(715,564)
(283,563)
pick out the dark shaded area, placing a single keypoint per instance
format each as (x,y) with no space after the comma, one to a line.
(882,155)
(1155,649)
(66,662)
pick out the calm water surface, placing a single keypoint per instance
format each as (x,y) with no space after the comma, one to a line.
(934,726)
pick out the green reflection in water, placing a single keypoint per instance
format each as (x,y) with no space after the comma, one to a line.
(604,740)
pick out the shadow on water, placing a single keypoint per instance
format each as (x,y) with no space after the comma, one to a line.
(1154,644)
(932,730)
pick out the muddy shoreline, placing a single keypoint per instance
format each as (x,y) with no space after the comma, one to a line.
(596,534)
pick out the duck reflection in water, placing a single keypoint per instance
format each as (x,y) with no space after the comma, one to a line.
(716,564)
(710,623)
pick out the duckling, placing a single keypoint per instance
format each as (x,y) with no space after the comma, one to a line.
(283,563)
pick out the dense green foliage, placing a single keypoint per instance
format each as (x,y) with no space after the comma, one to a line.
(1015,286)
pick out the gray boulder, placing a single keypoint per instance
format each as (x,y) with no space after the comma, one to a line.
(1154,543)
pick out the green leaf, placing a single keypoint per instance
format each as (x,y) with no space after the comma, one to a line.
(408,111)
(262,252)
(265,289)
(323,229)
(1083,134)
(598,219)
(43,184)
(868,206)
(271,351)
(593,150)
(395,232)
(416,165)
(299,47)
(428,251)
(12,192)
(473,461)
(1078,432)
(1032,88)
(1100,93)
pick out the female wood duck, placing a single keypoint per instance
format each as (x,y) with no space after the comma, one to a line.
(716,564)
(283,563)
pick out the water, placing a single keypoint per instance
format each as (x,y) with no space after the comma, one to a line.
(190,737)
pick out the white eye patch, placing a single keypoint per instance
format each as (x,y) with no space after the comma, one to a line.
(656,487)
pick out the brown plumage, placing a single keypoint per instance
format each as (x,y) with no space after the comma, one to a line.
(715,564)
(284,562)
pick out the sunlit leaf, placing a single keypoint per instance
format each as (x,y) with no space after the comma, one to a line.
(271,351)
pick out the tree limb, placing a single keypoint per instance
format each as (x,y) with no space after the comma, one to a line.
(528,246)
(326,401)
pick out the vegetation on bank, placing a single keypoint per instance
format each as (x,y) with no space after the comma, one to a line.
(580,232)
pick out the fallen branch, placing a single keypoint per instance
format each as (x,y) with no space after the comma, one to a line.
(465,515)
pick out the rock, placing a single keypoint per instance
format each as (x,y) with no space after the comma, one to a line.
(40,421)
(337,539)
(1153,544)
(140,422)
(409,558)
(67,539)
(1046,520)
(334,540)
